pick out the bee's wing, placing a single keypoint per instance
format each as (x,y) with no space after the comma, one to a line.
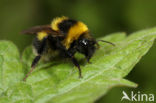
(46,28)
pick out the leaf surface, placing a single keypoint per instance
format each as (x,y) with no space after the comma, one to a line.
(57,81)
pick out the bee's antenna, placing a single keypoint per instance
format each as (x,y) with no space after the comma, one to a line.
(97,44)
(107,42)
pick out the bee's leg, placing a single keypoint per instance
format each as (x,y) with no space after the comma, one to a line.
(35,61)
(40,48)
(70,53)
(75,62)
(88,60)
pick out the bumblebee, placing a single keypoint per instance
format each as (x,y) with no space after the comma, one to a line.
(64,36)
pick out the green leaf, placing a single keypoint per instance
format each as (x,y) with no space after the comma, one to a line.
(19,93)
(57,81)
(11,71)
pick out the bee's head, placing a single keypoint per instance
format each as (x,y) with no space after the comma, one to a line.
(87,47)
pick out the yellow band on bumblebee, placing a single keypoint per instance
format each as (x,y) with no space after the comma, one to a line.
(74,33)
(41,35)
(56,21)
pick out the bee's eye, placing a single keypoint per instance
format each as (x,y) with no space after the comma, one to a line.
(84,42)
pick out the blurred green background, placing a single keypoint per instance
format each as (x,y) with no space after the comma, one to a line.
(102,17)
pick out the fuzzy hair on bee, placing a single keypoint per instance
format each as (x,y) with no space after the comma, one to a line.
(63,37)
